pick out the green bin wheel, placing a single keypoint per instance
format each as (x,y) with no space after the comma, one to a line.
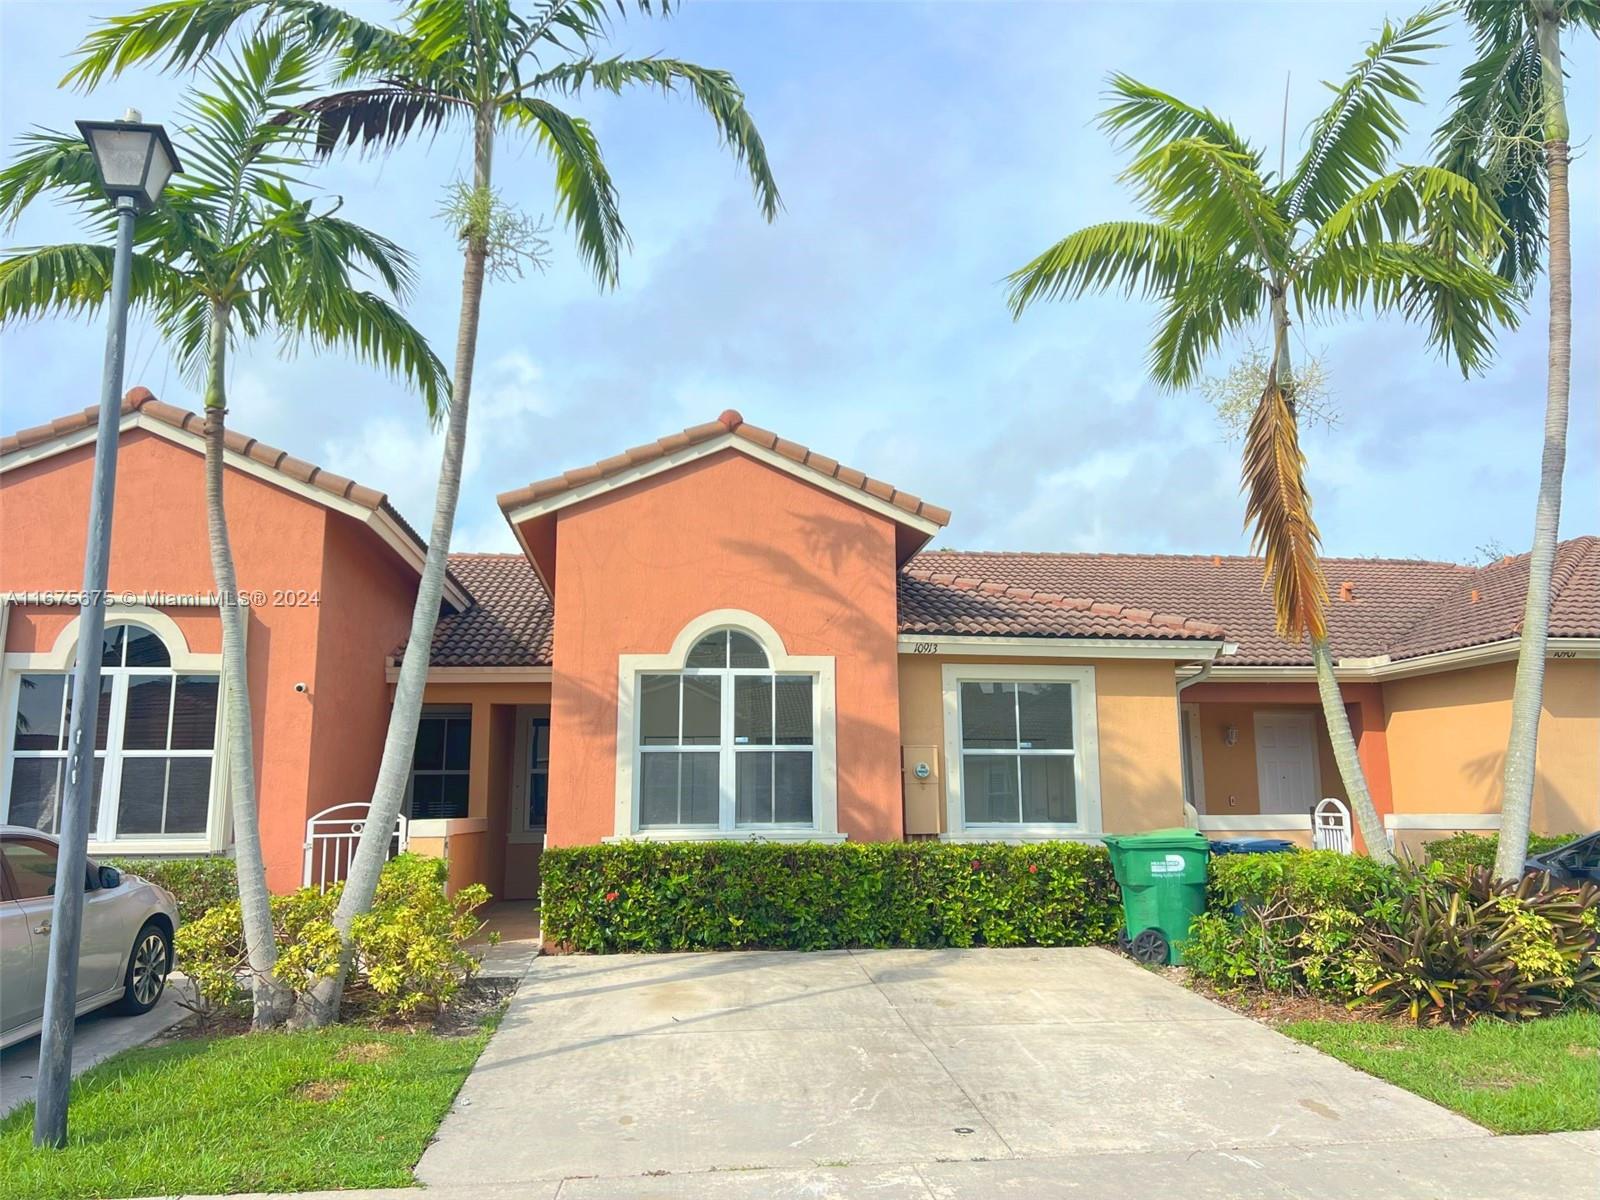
(1151,947)
(1124,944)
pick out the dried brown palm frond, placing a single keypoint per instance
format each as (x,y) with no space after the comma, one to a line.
(1279,507)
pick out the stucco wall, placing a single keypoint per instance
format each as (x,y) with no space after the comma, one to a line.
(1447,742)
(1141,776)
(637,565)
(1232,785)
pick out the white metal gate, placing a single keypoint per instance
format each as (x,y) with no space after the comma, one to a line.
(331,838)
(1330,825)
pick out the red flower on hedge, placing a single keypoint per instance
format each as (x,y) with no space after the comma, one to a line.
(610,896)
(1033,868)
(976,865)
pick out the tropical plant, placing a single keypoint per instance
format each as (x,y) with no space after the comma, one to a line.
(1465,946)
(1507,128)
(488,67)
(229,254)
(1228,243)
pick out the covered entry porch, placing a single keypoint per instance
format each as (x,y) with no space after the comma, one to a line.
(477,794)
(1257,758)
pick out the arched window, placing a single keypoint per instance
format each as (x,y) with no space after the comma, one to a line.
(154,743)
(727,742)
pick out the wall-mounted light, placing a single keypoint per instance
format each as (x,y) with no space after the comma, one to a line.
(1230,735)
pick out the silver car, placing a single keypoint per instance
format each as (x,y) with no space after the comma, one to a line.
(126,950)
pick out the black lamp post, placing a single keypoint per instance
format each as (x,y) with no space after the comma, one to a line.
(135,161)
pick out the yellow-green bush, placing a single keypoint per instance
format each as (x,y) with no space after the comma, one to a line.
(410,949)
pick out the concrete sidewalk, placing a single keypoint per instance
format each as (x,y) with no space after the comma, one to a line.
(1480,1168)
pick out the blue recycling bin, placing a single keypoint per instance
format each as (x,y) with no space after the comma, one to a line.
(1251,846)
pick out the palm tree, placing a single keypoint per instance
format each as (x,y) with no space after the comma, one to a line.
(490,68)
(229,254)
(1507,127)
(1228,244)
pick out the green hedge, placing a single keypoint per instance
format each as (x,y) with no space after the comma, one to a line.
(1460,851)
(640,896)
(199,884)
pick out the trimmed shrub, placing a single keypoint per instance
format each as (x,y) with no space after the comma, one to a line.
(199,884)
(641,896)
(1463,851)
(410,949)
(1292,922)
(1464,946)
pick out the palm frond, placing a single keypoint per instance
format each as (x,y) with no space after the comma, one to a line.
(1213,300)
(178,34)
(1408,202)
(376,118)
(714,90)
(1216,196)
(1278,506)
(1355,135)
(1134,257)
(75,278)
(59,163)
(1142,118)
(586,199)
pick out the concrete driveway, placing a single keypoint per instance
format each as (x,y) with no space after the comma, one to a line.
(657,1065)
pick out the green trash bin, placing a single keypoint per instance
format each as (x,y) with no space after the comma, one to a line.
(1163,879)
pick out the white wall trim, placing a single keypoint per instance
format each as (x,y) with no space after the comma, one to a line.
(1246,822)
(1060,647)
(1085,744)
(380,522)
(1189,731)
(825,767)
(444,827)
(1383,668)
(1442,821)
(726,441)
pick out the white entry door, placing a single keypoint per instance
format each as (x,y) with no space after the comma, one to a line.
(1286,762)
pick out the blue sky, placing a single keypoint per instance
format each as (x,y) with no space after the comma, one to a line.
(923,150)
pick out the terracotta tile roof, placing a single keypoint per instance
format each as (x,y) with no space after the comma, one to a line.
(946,603)
(1399,607)
(510,623)
(729,422)
(144,402)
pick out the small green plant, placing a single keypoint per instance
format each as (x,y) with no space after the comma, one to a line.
(1465,946)
(198,884)
(1460,851)
(638,896)
(410,948)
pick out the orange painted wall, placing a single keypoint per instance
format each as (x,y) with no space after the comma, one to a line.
(1231,783)
(1447,743)
(635,566)
(281,543)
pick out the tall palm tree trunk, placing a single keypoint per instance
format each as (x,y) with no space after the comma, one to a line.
(320,1006)
(271,999)
(1334,715)
(1527,697)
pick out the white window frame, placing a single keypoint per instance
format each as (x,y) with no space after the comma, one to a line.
(824,826)
(61,659)
(518,828)
(1085,754)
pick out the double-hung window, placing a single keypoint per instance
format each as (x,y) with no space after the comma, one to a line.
(155,741)
(726,743)
(1017,744)
(440,765)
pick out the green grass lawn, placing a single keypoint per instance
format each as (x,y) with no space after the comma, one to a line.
(336,1108)
(1539,1076)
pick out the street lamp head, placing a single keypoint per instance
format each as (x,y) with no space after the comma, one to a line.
(135,160)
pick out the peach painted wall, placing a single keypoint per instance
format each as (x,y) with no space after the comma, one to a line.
(282,543)
(1232,786)
(1141,771)
(637,565)
(1447,742)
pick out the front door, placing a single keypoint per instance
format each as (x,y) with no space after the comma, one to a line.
(1286,762)
(530,802)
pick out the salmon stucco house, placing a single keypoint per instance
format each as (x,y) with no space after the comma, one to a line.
(723,634)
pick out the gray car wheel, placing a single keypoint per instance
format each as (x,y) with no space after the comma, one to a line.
(148,965)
